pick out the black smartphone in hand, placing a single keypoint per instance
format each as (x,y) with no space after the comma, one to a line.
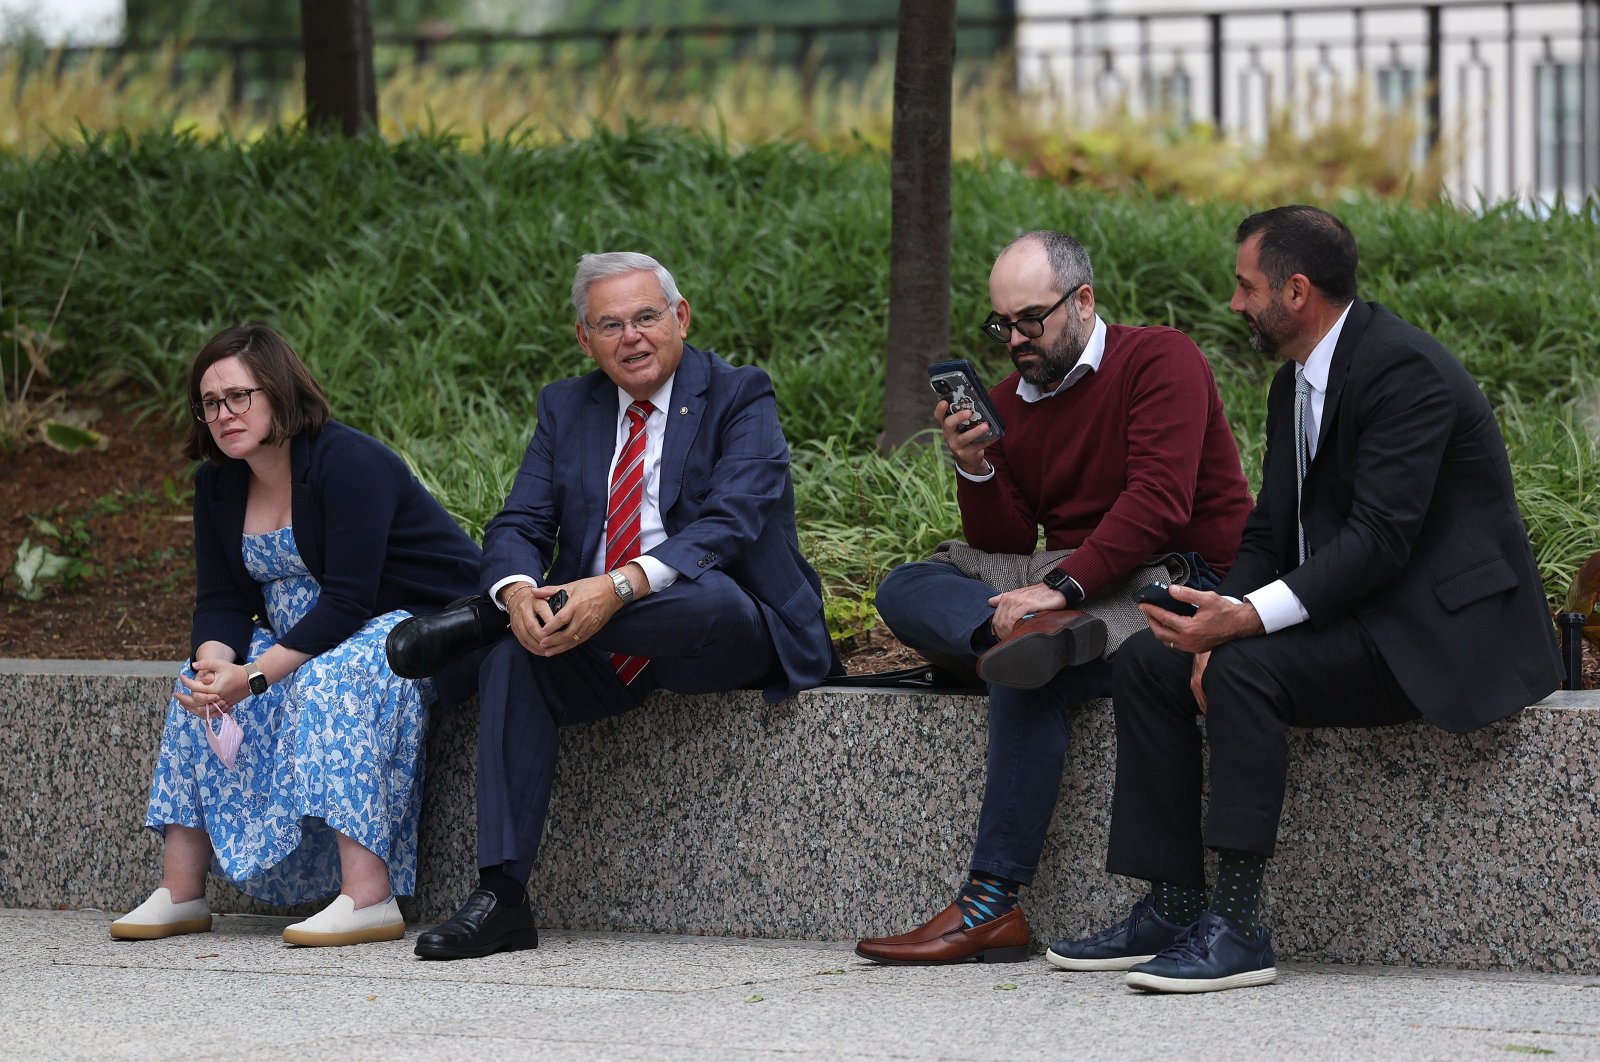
(956,382)
(556,601)
(1160,595)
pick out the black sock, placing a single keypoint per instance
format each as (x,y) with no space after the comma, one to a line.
(1238,893)
(985,897)
(1178,904)
(508,892)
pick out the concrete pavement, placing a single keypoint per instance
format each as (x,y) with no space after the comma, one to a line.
(239,993)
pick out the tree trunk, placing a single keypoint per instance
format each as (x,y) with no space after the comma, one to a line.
(919,236)
(341,90)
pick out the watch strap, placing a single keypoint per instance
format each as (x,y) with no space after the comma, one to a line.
(621,584)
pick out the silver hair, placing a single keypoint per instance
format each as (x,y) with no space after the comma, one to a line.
(593,267)
(1069,262)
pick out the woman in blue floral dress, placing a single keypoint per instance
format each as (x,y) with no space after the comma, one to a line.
(312,541)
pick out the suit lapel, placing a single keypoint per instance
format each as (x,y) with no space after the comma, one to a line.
(683,423)
(1355,326)
(599,443)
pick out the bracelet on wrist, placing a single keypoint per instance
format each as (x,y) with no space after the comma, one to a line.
(513,595)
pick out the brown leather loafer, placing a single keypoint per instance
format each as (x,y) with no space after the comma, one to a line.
(1040,646)
(945,939)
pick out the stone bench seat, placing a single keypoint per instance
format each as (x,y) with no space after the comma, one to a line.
(848,812)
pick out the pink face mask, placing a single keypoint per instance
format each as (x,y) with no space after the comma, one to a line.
(225,741)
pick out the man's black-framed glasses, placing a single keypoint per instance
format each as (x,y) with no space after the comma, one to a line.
(237,401)
(999,329)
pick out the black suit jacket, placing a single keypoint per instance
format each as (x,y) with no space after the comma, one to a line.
(1412,523)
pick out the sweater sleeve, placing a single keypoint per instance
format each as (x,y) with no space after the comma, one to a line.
(1167,395)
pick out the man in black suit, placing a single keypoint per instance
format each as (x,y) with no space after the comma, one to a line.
(1384,575)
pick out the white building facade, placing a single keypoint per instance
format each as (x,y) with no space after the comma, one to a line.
(1513,88)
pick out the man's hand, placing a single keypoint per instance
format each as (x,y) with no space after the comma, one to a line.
(1217,622)
(1011,606)
(590,605)
(964,446)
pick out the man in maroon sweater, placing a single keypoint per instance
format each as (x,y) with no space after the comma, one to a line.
(1117,447)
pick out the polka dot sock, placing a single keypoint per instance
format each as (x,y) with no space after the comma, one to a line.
(1178,904)
(985,897)
(1237,896)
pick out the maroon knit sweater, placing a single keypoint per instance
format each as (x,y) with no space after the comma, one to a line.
(1134,460)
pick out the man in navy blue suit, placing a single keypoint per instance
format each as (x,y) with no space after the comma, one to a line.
(655,500)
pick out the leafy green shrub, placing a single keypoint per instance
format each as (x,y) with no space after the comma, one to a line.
(426,285)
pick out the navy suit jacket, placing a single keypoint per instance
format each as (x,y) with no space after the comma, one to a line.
(726,500)
(370,534)
(1412,523)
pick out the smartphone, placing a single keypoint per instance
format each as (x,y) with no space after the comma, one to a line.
(957,383)
(1159,595)
(557,600)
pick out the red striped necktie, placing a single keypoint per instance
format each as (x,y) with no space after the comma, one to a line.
(623,513)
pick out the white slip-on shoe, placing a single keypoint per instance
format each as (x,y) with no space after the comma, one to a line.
(159,917)
(339,924)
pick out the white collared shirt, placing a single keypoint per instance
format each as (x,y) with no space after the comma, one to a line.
(1275,603)
(652,532)
(1088,361)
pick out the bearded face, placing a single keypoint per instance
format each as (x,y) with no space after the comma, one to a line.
(1269,328)
(1055,359)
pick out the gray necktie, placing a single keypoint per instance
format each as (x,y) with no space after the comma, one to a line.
(1302,452)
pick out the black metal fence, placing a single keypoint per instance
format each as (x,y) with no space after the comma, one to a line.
(1512,89)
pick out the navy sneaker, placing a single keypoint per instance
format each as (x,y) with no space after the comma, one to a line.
(1208,957)
(1137,938)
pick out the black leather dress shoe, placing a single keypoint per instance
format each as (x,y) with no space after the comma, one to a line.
(481,927)
(423,646)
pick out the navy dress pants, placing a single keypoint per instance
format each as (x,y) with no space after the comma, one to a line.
(935,609)
(702,636)
(1256,689)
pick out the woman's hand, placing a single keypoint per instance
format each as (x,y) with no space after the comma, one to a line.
(221,684)
(201,695)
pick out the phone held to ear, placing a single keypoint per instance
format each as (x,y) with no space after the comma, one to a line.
(1160,595)
(956,382)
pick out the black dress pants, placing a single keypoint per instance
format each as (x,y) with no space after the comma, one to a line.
(1256,689)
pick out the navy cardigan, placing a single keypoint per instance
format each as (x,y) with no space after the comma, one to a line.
(370,534)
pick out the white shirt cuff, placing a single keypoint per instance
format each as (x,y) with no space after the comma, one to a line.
(494,591)
(660,575)
(1277,606)
(986,477)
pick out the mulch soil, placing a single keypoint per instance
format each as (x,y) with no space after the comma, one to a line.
(125,511)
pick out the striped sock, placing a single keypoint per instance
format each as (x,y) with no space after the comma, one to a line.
(985,897)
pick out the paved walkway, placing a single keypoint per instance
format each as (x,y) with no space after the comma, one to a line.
(68,991)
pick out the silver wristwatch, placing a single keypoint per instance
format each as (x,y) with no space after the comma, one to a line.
(623,587)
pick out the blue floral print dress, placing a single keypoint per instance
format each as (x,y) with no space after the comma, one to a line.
(335,746)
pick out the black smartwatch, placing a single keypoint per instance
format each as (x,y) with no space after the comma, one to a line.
(258,681)
(1066,585)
